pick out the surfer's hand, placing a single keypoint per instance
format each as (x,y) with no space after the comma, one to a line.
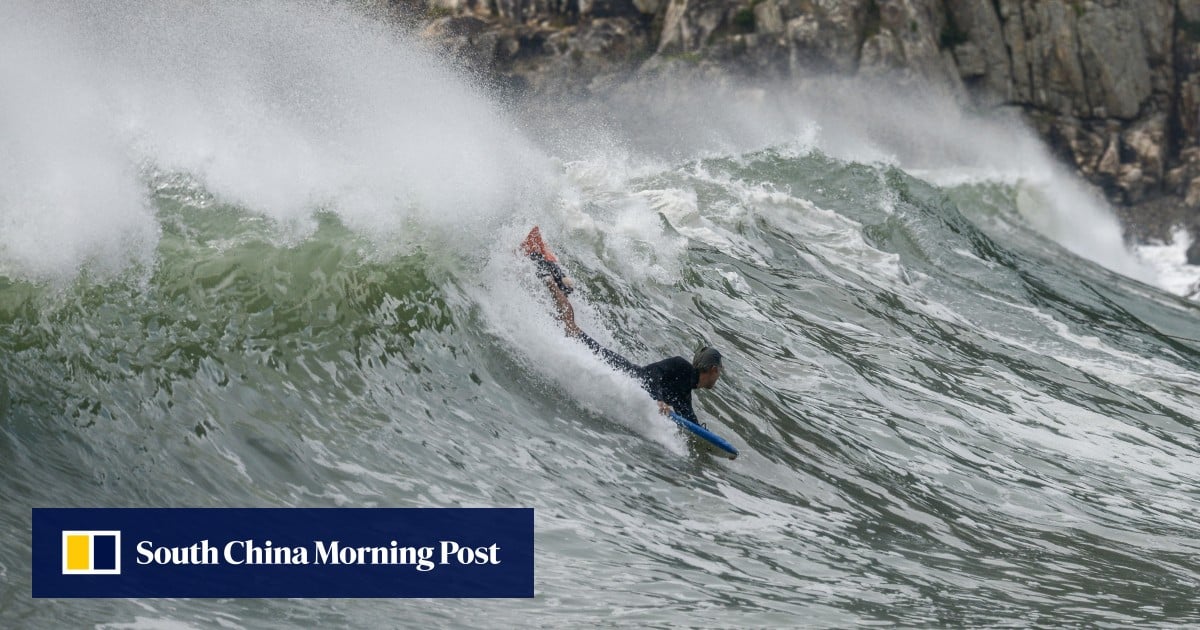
(664,408)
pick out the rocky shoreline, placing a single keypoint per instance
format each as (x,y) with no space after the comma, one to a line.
(1113,86)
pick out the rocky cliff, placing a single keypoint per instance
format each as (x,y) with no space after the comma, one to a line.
(1113,85)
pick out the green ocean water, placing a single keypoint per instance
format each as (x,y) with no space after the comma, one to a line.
(949,414)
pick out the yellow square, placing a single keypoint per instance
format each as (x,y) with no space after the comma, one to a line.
(79,553)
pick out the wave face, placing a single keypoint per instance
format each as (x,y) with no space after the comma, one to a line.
(263,255)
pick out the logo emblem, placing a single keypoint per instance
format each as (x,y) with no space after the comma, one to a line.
(91,553)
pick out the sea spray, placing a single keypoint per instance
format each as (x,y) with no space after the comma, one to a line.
(279,108)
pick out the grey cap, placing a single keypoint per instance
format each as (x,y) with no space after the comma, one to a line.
(705,358)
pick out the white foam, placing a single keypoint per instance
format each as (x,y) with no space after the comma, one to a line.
(1169,260)
(925,133)
(147,623)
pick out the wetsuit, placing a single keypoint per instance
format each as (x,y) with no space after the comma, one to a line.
(670,380)
(547,268)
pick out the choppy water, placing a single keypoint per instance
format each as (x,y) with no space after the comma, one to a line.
(222,288)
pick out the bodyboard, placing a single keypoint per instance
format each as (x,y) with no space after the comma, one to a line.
(721,444)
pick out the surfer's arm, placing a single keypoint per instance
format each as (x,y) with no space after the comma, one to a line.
(655,388)
(684,408)
(653,384)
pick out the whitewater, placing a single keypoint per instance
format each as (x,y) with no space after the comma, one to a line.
(264,255)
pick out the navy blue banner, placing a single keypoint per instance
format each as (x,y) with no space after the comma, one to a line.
(283,552)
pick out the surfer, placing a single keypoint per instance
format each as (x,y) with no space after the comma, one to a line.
(670,382)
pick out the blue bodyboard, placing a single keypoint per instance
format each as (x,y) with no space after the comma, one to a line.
(720,443)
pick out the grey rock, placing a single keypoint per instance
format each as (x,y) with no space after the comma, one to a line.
(584,56)
(1110,161)
(979,23)
(1189,10)
(465,38)
(970,61)
(1193,193)
(689,25)
(1146,141)
(768,18)
(649,7)
(1114,59)
(1086,147)
(810,50)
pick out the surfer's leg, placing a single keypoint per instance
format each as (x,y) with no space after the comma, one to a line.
(550,271)
(563,308)
(566,315)
(612,358)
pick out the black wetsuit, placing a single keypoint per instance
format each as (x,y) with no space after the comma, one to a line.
(670,380)
(550,269)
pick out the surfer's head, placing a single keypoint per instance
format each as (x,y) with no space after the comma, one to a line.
(708,362)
